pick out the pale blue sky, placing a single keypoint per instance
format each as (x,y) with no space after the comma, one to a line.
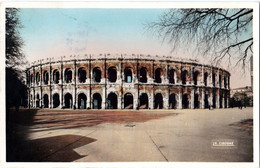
(57,32)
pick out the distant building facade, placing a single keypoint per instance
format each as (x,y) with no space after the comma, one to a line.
(126,82)
(242,94)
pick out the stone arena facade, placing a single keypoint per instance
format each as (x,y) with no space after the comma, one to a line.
(126,82)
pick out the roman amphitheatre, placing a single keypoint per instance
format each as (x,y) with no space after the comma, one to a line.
(121,81)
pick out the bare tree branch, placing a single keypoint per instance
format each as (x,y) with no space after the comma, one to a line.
(221,33)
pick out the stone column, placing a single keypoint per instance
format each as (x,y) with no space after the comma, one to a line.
(202,77)
(192,99)
(88,103)
(135,101)
(50,82)
(74,106)
(180,99)
(217,98)
(166,101)
(103,105)
(151,101)
(202,99)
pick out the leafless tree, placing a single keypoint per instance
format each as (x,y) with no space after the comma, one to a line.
(221,33)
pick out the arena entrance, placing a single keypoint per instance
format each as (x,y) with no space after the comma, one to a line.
(196,101)
(97,100)
(185,101)
(68,101)
(143,101)
(112,101)
(158,102)
(206,102)
(56,100)
(37,101)
(172,101)
(128,101)
(214,99)
(45,101)
(82,101)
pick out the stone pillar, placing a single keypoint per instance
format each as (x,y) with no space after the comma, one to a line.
(217,99)
(50,82)
(119,99)
(180,100)
(202,76)
(74,106)
(103,105)
(192,99)
(88,103)
(61,99)
(166,101)
(202,99)
(136,98)
(151,101)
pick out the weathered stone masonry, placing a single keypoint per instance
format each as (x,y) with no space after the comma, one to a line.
(126,82)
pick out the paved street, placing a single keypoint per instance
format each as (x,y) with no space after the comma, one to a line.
(177,135)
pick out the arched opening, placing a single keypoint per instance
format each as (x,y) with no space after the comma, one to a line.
(220,81)
(112,74)
(157,77)
(38,78)
(112,101)
(184,76)
(172,101)
(37,101)
(206,101)
(213,79)
(56,76)
(68,100)
(143,99)
(82,75)
(128,75)
(45,77)
(97,100)
(205,78)
(195,77)
(171,76)
(46,101)
(196,101)
(56,100)
(214,99)
(82,101)
(143,75)
(128,101)
(185,101)
(158,101)
(68,75)
(32,79)
(225,100)
(220,100)
(97,74)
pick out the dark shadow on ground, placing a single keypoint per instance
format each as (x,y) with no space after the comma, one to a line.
(20,149)
(52,149)
(16,136)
